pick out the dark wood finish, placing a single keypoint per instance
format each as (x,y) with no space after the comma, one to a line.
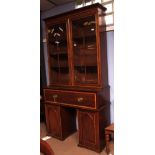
(42,109)
(60,121)
(108,131)
(83,99)
(42,105)
(68,121)
(45,148)
(91,128)
(92,100)
(53,120)
(93,10)
(88,127)
(86,9)
(78,73)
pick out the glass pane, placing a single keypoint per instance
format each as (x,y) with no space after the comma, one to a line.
(84,50)
(103,1)
(57,47)
(109,19)
(109,7)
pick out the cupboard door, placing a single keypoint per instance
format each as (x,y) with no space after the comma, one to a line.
(53,121)
(58,54)
(85,50)
(88,130)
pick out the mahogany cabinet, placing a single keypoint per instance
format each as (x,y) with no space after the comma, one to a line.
(78,76)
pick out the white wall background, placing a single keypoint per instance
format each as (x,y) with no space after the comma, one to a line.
(110,53)
(110,48)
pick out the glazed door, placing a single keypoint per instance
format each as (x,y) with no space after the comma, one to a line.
(58,54)
(84,50)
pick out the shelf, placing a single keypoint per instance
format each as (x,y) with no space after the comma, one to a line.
(86,78)
(84,36)
(91,38)
(62,56)
(61,66)
(87,69)
(84,30)
(85,51)
(56,53)
(87,81)
(62,70)
(62,42)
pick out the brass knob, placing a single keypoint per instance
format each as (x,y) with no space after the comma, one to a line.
(55,96)
(80,99)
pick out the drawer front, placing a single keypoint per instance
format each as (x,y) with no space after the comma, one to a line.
(84,99)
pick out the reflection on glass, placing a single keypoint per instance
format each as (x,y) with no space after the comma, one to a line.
(109,19)
(84,50)
(58,53)
(103,1)
(109,8)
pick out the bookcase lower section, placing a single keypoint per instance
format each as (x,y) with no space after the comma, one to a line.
(61,122)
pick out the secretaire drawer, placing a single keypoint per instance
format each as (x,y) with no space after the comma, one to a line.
(71,97)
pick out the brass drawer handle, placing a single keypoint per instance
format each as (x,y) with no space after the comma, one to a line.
(55,96)
(80,99)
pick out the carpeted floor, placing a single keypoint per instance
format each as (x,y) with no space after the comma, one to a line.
(69,145)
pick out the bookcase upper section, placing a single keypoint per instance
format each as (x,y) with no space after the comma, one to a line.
(76,43)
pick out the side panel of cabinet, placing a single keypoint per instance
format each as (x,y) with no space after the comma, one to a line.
(89,130)
(53,121)
(104,121)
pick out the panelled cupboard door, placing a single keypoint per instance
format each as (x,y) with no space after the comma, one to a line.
(58,53)
(53,120)
(88,129)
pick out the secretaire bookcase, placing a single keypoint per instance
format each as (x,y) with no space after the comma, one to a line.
(78,90)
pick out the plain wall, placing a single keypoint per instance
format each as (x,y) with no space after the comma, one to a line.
(110,48)
(110,55)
